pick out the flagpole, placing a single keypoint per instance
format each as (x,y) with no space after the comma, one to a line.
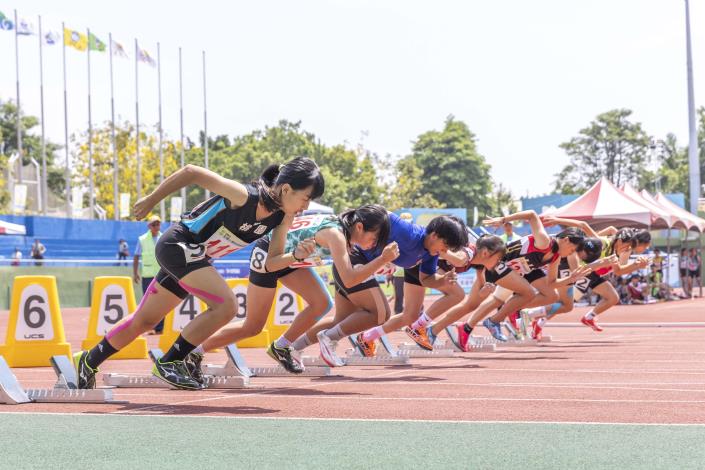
(66,131)
(205,120)
(137,123)
(91,199)
(116,197)
(19,113)
(693,162)
(41,107)
(181,122)
(162,206)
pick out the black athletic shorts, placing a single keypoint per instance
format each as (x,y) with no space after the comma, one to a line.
(356,258)
(684,272)
(258,275)
(502,271)
(590,281)
(178,256)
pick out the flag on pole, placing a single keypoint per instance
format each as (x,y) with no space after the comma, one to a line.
(75,39)
(143,56)
(51,38)
(95,44)
(6,23)
(24,27)
(118,49)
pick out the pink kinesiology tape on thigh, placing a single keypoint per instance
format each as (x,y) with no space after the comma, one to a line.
(201,293)
(151,289)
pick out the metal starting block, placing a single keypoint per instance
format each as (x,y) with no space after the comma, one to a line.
(149,381)
(65,390)
(237,366)
(472,346)
(414,350)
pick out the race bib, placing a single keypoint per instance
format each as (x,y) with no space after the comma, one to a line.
(520,265)
(563,273)
(222,243)
(193,252)
(306,221)
(257,260)
(582,284)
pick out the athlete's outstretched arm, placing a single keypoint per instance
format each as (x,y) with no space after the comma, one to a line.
(457,258)
(607,231)
(233,191)
(549,220)
(541,238)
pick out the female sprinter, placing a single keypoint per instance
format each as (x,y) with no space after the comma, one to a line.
(331,237)
(234,217)
(364,305)
(518,276)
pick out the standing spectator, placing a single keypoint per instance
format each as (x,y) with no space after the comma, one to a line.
(509,235)
(16,257)
(123,250)
(624,297)
(694,262)
(37,252)
(683,271)
(149,266)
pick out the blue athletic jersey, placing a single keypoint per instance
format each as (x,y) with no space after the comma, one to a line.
(410,239)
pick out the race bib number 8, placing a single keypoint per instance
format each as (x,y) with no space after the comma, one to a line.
(258,259)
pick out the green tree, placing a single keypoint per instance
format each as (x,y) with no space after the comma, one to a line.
(453,171)
(408,188)
(611,146)
(127,163)
(31,148)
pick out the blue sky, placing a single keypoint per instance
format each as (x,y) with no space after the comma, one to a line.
(525,76)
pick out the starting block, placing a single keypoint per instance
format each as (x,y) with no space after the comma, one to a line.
(414,350)
(472,346)
(149,381)
(237,366)
(65,390)
(386,358)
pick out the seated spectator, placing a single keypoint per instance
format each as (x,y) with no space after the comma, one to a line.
(636,290)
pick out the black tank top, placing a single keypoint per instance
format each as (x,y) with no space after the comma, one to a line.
(224,230)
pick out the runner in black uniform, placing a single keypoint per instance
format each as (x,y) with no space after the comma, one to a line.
(519,276)
(236,216)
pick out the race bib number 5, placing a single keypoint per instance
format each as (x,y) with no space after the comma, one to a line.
(193,252)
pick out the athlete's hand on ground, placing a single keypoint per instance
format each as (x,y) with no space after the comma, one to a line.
(390,252)
(450,278)
(493,221)
(305,248)
(486,290)
(142,208)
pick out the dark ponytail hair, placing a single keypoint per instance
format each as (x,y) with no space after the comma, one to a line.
(592,247)
(373,217)
(299,173)
(450,229)
(491,243)
(574,235)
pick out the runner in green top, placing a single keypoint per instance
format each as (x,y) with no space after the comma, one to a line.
(311,239)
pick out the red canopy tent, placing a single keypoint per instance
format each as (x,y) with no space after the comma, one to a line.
(693,221)
(603,205)
(660,217)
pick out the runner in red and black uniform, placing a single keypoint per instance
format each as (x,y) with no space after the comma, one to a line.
(519,275)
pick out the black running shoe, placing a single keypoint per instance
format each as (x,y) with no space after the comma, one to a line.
(283,357)
(175,374)
(86,374)
(193,365)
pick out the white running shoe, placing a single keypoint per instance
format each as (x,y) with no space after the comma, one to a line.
(327,347)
